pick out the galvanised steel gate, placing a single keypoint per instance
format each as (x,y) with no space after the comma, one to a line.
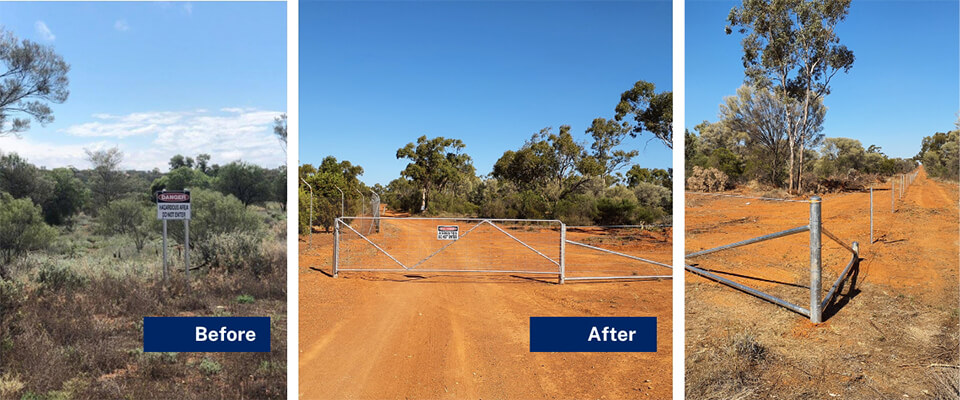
(469,245)
(815,227)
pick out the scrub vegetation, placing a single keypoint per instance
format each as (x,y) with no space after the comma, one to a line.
(553,175)
(80,262)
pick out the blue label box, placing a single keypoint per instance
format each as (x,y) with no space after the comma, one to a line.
(206,334)
(593,334)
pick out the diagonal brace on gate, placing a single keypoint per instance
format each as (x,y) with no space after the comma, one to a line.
(372,243)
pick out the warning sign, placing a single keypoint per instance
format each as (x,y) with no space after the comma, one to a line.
(173,204)
(448,232)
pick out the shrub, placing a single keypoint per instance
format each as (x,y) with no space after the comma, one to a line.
(238,252)
(209,367)
(57,277)
(707,180)
(245,299)
(127,217)
(215,215)
(576,210)
(23,229)
(615,211)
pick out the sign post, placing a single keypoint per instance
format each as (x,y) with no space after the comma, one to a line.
(173,205)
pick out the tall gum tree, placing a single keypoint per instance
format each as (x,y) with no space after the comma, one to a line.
(792,47)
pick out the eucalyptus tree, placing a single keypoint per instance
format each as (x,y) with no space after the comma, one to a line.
(32,77)
(435,164)
(651,111)
(792,47)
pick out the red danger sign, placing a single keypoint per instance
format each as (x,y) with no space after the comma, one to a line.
(173,197)
(173,205)
(448,232)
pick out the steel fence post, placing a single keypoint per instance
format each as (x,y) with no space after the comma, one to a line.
(563,249)
(815,266)
(871,215)
(893,195)
(336,246)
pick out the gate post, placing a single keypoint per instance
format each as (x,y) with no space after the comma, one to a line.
(563,249)
(336,245)
(815,267)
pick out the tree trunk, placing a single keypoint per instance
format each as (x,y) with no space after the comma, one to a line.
(423,199)
(790,143)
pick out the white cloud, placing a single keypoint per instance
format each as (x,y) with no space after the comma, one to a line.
(121,25)
(188,8)
(243,133)
(44,31)
(50,154)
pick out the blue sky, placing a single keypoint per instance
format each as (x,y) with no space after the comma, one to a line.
(903,85)
(157,79)
(375,76)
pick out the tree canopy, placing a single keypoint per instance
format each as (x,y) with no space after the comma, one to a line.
(33,76)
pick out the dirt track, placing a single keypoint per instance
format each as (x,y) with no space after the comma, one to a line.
(883,339)
(459,336)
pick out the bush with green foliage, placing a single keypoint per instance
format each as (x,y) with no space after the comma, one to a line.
(56,277)
(128,217)
(213,214)
(940,154)
(247,182)
(23,230)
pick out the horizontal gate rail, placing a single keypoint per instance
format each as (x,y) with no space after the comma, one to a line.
(600,278)
(758,239)
(481,271)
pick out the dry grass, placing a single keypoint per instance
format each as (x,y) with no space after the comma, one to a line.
(71,325)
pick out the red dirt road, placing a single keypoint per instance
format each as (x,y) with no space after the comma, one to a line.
(459,336)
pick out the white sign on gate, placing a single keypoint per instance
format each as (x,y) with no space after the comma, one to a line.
(448,232)
(173,205)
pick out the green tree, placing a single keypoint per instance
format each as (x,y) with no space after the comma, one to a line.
(107,182)
(21,179)
(214,214)
(179,161)
(23,231)
(68,198)
(33,76)
(181,178)
(278,186)
(656,176)
(792,47)
(127,217)
(607,136)
(651,111)
(435,164)
(280,130)
(203,161)
(247,182)
(763,116)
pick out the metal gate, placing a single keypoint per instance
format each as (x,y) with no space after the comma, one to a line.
(470,245)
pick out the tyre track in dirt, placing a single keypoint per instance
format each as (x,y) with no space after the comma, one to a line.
(368,336)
